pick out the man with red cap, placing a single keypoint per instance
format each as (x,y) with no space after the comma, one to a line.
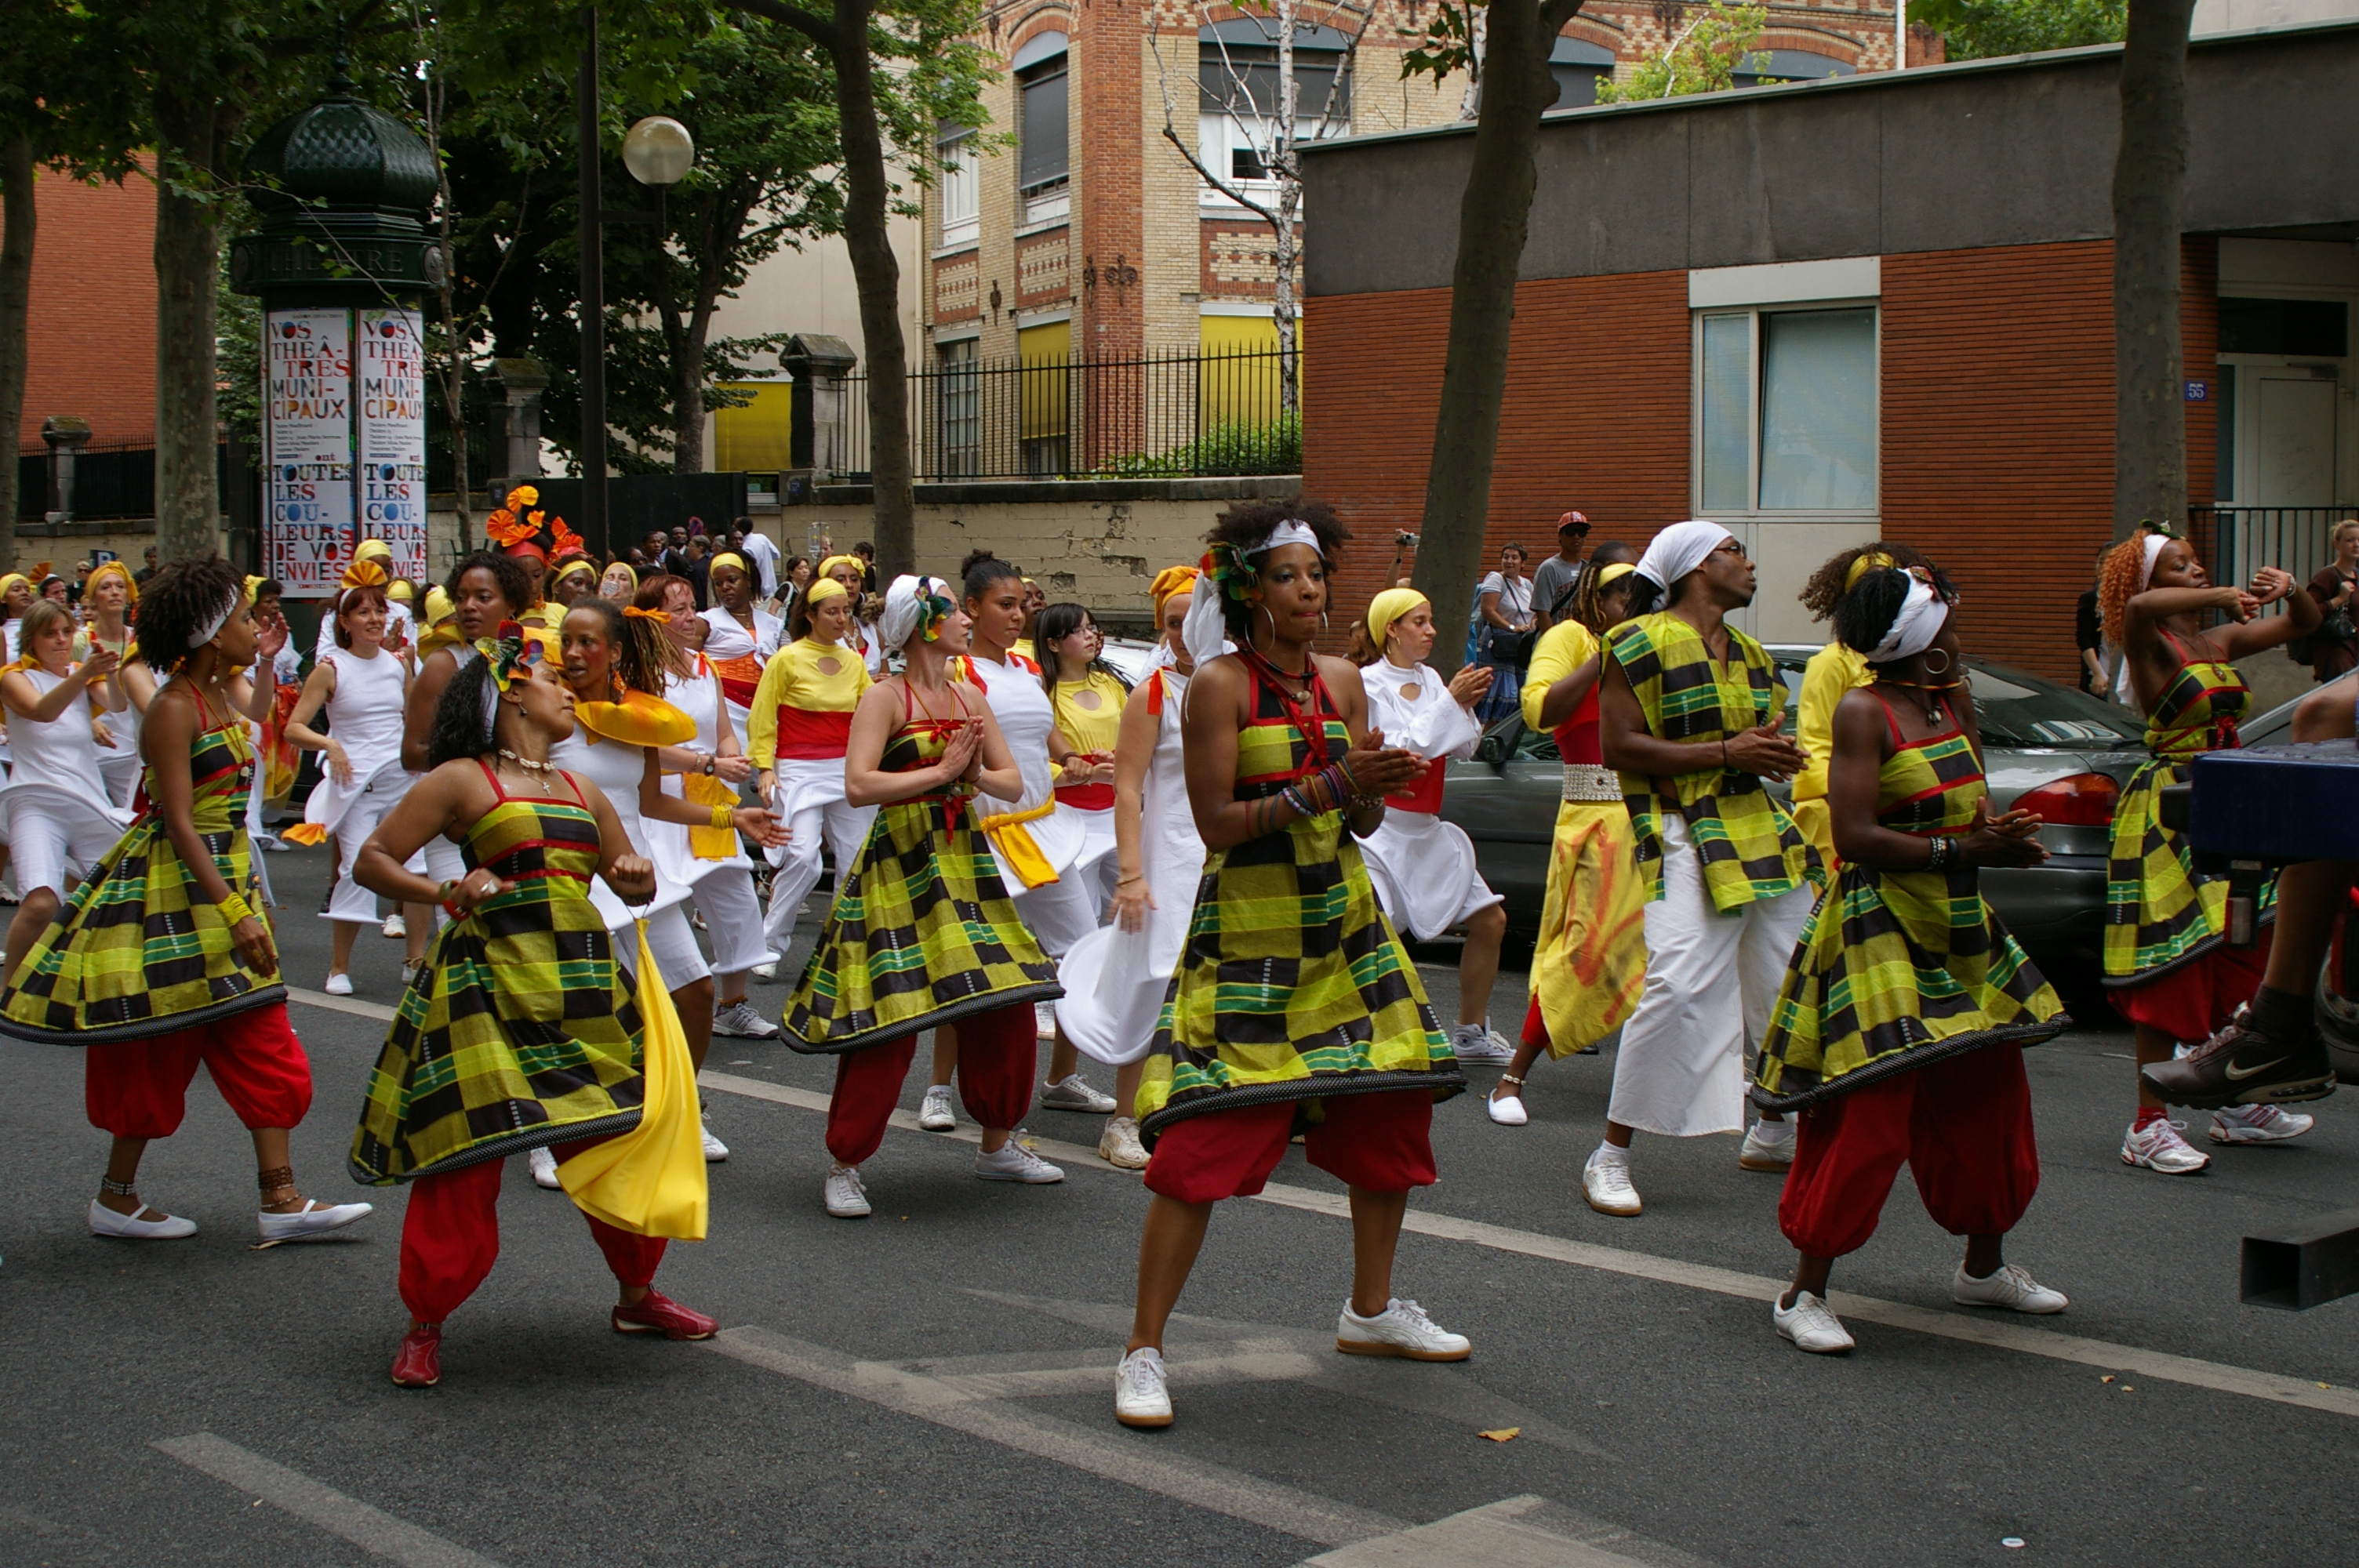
(1552,582)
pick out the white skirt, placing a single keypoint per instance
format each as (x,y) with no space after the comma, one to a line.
(1423,871)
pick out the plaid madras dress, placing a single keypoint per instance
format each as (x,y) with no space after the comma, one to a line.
(1291,985)
(521,1029)
(131,955)
(2160,912)
(923,932)
(1899,969)
(1749,845)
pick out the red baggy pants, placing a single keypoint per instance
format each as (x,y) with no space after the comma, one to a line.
(2197,998)
(451,1237)
(998,1054)
(1964,1128)
(1380,1142)
(139,1088)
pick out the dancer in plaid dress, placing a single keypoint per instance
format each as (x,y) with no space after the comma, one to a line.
(521,1031)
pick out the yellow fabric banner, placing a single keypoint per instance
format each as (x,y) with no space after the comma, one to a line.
(650,1181)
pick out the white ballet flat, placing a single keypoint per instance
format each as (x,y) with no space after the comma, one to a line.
(104,1221)
(1507,1110)
(314,1218)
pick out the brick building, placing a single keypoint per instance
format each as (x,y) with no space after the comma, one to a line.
(1091,237)
(1873,307)
(90,328)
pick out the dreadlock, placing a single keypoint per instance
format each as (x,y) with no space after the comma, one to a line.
(1866,612)
(178,601)
(1826,588)
(639,655)
(1588,603)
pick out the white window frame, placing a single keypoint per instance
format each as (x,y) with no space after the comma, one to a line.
(960,188)
(1219,135)
(1752,313)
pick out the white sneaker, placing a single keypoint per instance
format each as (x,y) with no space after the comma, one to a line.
(544,1169)
(1011,1161)
(1764,1150)
(846,1198)
(2158,1146)
(741,1020)
(338,985)
(1118,1145)
(1506,1107)
(1073,1093)
(2008,1286)
(1473,1043)
(765,972)
(715,1150)
(1810,1325)
(2256,1124)
(395,925)
(104,1221)
(1402,1329)
(1606,1184)
(314,1218)
(934,1112)
(1140,1398)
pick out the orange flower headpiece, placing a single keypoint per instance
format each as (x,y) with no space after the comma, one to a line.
(364,574)
(521,528)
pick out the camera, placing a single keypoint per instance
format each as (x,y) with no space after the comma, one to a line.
(1405,538)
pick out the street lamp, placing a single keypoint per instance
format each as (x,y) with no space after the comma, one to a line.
(659,152)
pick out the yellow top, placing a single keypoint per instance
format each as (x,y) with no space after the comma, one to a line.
(1022,648)
(793,679)
(1090,729)
(1834,673)
(1563,649)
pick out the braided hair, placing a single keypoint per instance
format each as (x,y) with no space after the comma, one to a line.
(181,601)
(1588,604)
(638,653)
(459,729)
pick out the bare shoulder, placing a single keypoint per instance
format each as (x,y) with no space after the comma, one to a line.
(1341,675)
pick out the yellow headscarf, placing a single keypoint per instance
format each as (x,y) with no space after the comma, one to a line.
(1388,606)
(829,565)
(16,578)
(253,589)
(439,607)
(1171,580)
(1864,565)
(1606,574)
(823,590)
(373,549)
(399,588)
(727,558)
(575,564)
(361,573)
(114,568)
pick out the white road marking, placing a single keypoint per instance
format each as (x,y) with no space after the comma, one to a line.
(352,1005)
(2001,1333)
(372,1530)
(1504,1534)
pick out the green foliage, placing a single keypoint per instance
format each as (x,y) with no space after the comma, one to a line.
(1232,448)
(1985,29)
(1704,57)
(1446,44)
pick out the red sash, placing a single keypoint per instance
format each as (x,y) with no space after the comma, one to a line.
(1087,796)
(808,736)
(1427,794)
(739,678)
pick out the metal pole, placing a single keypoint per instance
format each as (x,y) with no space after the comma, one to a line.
(593,522)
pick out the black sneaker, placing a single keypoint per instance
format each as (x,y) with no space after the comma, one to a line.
(2242,1065)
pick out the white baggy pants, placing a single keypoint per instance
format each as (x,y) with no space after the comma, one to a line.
(1712,979)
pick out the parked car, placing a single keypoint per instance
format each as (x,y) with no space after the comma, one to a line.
(2048,748)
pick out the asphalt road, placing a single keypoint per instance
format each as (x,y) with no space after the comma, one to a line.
(933,1385)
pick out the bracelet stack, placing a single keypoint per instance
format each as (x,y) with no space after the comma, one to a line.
(1329,789)
(234,908)
(1944,850)
(447,895)
(723,818)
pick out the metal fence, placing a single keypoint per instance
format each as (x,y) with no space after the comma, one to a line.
(2239,540)
(1181,414)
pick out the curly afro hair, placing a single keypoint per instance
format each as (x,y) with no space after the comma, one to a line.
(515,588)
(1247,523)
(2117,581)
(178,601)
(1825,589)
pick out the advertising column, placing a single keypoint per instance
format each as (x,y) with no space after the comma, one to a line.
(390,364)
(307,448)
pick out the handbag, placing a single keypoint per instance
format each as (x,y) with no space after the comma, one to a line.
(1512,650)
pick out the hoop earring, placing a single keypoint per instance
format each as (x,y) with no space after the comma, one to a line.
(1265,610)
(1928,655)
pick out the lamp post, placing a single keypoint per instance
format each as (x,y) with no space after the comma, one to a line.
(659,152)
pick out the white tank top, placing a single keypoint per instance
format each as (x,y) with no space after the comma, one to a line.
(365,711)
(58,752)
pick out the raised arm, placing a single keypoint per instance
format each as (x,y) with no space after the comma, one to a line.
(1134,754)
(16,689)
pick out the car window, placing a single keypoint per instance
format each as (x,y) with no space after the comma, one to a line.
(2021,710)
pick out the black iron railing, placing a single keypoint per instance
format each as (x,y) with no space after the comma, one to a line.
(2238,540)
(1179,415)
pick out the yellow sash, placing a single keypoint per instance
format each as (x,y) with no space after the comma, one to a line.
(650,1181)
(709,843)
(1015,846)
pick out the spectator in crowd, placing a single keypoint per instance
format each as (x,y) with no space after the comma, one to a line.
(2333,648)
(793,578)
(144,573)
(2089,632)
(867,554)
(1552,582)
(1502,605)
(762,555)
(698,570)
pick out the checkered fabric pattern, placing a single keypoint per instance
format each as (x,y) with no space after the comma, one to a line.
(1751,848)
(521,1029)
(1292,984)
(133,953)
(923,932)
(2160,911)
(1899,968)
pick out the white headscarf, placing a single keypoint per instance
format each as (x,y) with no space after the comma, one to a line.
(1922,615)
(214,623)
(1205,633)
(1293,531)
(903,602)
(2154,544)
(1679,550)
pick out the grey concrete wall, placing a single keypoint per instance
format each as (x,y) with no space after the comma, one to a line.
(1946,158)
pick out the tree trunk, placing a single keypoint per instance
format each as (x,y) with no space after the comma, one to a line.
(867,236)
(1493,219)
(188,260)
(2149,193)
(16,301)
(687,391)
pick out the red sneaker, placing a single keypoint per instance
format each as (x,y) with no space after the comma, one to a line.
(658,1313)
(419,1363)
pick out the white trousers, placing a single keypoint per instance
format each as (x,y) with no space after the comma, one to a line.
(351,901)
(1712,979)
(842,827)
(732,919)
(48,838)
(1063,912)
(671,941)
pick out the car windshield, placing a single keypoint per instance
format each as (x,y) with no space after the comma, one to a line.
(2021,709)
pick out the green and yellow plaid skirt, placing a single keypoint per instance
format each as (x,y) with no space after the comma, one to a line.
(2160,913)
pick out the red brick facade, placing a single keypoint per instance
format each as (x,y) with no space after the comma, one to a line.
(1997,425)
(92,332)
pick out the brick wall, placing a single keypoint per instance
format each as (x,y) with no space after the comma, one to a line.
(91,349)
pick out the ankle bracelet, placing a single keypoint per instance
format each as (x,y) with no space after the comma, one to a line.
(1511,1078)
(275,1178)
(120,1189)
